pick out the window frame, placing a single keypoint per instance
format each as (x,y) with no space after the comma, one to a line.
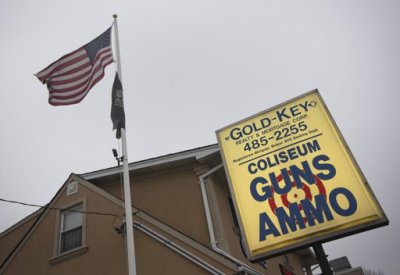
(63,233)
(59,225)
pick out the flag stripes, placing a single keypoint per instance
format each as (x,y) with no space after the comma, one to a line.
(71,77)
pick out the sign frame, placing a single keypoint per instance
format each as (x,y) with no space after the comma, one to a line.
(253,256)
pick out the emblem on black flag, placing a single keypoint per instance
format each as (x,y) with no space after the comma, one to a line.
(117,106)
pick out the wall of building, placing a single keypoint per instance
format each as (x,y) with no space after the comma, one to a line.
(173,198)
(10,238)
(103,251)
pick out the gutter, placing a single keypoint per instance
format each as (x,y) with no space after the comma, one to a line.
(178,249)
(241,266)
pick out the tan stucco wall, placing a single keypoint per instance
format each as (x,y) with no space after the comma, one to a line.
(174,197)
(155,258)
(10,238)
(105,254)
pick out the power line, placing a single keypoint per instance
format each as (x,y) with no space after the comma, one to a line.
(38,218)
(57,208)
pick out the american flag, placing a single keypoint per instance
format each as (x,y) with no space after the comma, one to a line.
(71,77)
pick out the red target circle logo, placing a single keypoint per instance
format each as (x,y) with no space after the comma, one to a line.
(304,188)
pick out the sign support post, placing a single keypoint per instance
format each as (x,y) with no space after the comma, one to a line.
(322,259)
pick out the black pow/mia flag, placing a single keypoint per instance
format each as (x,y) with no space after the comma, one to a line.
(117,106)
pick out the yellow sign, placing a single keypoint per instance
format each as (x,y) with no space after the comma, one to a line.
(294,180)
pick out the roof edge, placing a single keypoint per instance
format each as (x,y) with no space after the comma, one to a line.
(20,223)
(41,215)
(197,153)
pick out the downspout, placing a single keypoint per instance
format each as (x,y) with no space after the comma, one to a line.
(213,242)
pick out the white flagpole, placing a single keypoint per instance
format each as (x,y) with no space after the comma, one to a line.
(127,188)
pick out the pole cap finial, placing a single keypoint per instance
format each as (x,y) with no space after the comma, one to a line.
(115,16)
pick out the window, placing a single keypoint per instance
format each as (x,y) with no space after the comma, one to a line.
(71,228)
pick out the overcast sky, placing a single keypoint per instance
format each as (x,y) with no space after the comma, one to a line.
(190,68)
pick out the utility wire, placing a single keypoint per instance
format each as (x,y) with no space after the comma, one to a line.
(57,208)
(38,218)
